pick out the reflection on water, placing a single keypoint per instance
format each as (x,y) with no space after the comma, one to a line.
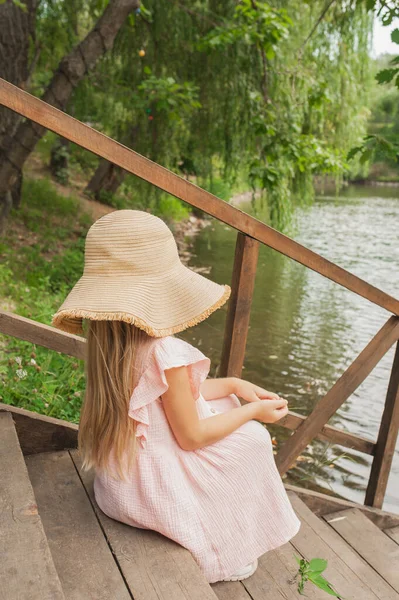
(305,330)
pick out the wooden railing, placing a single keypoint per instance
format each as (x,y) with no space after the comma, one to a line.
(250,233)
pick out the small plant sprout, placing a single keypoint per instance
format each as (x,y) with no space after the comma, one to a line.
(312,571)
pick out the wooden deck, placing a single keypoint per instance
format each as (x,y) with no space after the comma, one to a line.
(58,545)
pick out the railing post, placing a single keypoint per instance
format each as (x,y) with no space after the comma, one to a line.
(386,442)
(237,322)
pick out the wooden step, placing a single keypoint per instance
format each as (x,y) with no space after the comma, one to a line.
(379,550)
(393,533)
(84,561)
(350,574)
(27,570)
(155,567)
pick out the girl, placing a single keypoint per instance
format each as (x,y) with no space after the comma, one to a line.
(172,450)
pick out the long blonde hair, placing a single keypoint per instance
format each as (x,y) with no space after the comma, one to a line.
(115,356)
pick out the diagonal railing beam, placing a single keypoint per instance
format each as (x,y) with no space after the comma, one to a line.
(341,390)
(51,118)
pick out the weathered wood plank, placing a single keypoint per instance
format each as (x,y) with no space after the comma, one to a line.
(83,135)
(348,572)
(386,441)
(27,570)
(230,590)
(38,433)
(341,390)
(155,567)
(373,545)
(393,533)
(323,504)
(239,311)
(43,335)
(84,562)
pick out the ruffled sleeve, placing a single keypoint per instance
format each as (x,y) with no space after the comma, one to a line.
(167,353)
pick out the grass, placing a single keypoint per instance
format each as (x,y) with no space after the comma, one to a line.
(41,258)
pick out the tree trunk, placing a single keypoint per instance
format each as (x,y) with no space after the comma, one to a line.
(17,28)
(108,177)
(71,70)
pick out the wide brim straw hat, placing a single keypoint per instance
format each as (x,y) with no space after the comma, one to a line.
(133,273)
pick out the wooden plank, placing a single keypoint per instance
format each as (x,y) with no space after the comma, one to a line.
(348,572)
(330,434)
(230,590)
(84,562)
(341,390)
(27,570)
(50,117)
(155,567)
(323,504)
(373,545)
(393,533)
(38,433)
(43,335)
(386,441)
(273,580)
(237,321)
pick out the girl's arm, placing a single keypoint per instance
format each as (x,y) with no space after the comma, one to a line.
(217,388)
(191,432)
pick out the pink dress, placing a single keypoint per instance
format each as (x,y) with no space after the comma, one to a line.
(225,502)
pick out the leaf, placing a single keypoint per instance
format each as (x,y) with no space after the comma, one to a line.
(395,36)
(353,151)
(318,565)
(367,154)
(323,584)
(270,53)
(386,75)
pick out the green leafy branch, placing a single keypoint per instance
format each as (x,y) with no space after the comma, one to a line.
(253,24)
(312,571)
(371,144)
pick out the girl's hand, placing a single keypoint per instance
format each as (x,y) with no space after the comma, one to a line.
(252,393)
(270,411)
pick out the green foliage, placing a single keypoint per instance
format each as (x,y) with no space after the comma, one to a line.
(172,209)
(383,145)
(252,87)
(312,571)
(254,24)
(41,258)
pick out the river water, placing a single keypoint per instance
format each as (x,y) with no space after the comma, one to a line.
(305,330)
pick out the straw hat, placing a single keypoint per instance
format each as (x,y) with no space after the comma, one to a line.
(133,273)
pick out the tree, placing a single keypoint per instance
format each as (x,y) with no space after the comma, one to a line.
(282,88)
(16,147)
(16,33)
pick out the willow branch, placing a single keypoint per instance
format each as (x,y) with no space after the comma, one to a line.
(319,20)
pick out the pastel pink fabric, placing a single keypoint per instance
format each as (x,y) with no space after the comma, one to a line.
(225,502)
